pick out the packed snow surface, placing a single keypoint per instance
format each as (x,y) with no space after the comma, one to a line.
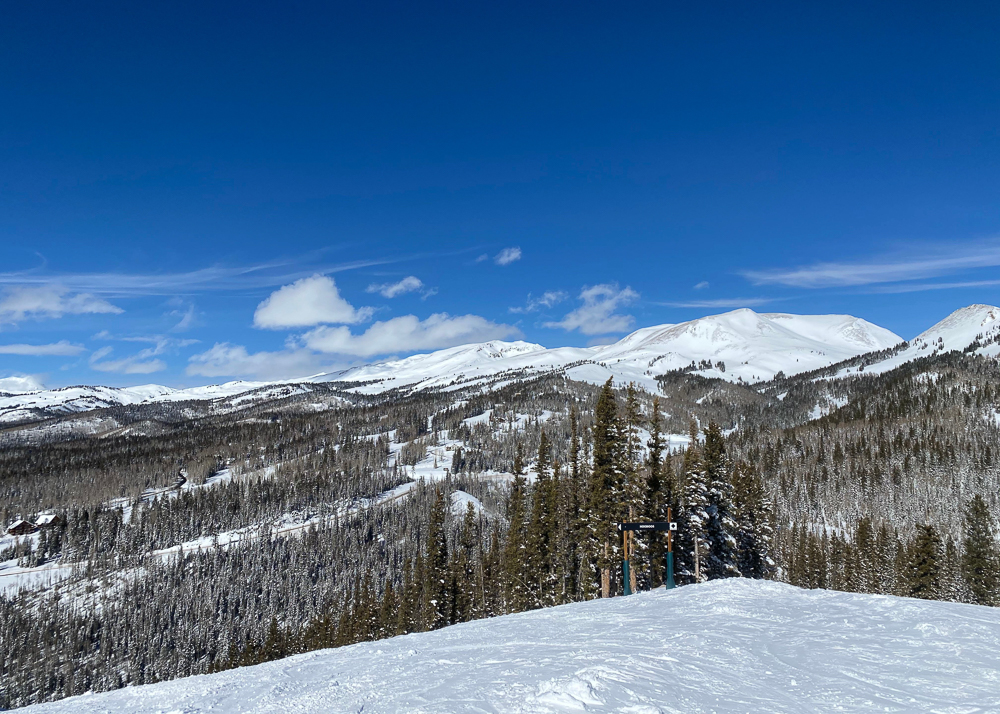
(725,646)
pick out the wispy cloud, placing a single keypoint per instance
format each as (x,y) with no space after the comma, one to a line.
(921,287)
(507,256)
(547,299)
(408,284)
(702,285)
(143,362)
(914,264)
(187,319)
(598,315)
(228,360)
(49,301)
(56,349)
(719,303)
(216,278)
(408,333)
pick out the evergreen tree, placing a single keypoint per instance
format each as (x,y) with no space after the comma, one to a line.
(605,479)
(540,529)
(720,531)
(516,592)
(436,605)
(465,584)
(924,567)
(980,561)
(695,513)
(754,524)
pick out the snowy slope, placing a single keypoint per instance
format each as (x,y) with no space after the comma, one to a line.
(74,400)
(752,347)
(955,332)
(725,646)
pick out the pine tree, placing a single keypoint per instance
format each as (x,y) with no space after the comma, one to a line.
(463,572)
(754,523)
(657,498)
(539,530)
(980,561)
(695,513)
(436,605)
(516,594)
(722,561)
(924,567)
(605,479)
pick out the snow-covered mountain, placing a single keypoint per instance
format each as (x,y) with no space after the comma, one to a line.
(725,646)
(738,345)
(975,326)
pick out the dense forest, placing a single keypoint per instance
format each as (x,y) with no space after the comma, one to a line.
(212,541)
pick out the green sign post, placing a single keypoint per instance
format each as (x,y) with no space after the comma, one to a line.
(627,529)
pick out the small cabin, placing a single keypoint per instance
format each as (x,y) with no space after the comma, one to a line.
(19,528)
(48,520)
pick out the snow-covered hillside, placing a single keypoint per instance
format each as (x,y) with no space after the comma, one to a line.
(975,323)
(725,646)
(737,345)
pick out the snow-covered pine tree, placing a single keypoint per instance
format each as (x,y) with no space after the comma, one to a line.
(541,530)
(514,566)
(605,479)
(754,523)
(436,605)
(924,566)
(693,529)
(980,560)
(721,527)
(656,498)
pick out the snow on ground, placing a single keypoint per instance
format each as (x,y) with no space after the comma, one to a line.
(460,501)
(14,578)
(725,646)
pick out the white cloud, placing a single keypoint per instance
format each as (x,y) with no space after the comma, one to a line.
(720,303)
(922,287)
(57,349)
(507,256)
(597,315)
(483,257)
(227,360)
(408,334)
(912,264)
(19,383)
(305,303)
(390,290)
(216,278)
(702,285)
(49,301)
(143,362)
(135,364)
(548,299)
(187,319)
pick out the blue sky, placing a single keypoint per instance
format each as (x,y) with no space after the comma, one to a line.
(195,192)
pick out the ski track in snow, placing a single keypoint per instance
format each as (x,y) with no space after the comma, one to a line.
(725,646)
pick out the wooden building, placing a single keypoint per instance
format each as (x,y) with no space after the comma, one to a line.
(21,527)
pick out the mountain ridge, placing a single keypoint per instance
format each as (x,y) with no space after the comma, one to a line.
(739,346)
